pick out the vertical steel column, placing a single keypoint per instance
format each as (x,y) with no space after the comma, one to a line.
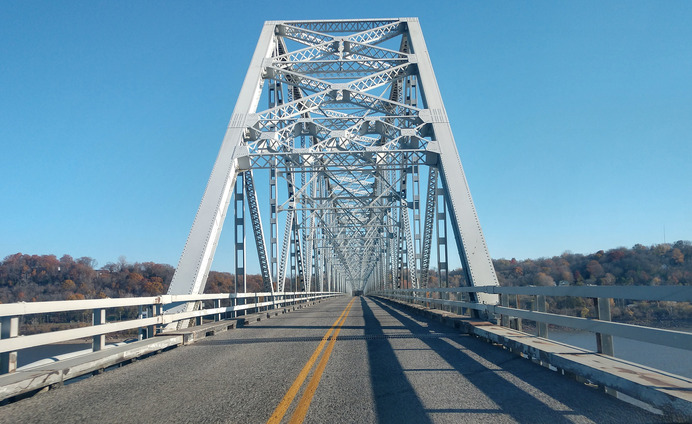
(273,238)
(301,236)
(441,230)
(292,277)
(399,252)
(310,248)
(300,275)
(411,98)
(415,181)
(239,220)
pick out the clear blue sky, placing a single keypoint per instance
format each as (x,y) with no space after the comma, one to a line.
(573,119)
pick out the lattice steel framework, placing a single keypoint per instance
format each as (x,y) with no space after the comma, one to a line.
(353,119)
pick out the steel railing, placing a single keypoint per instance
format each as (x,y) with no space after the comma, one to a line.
(605,329)
(151,318)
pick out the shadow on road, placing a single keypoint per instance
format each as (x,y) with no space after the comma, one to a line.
(395,398)
(516,398)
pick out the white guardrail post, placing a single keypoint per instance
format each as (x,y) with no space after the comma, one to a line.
(604,342)
(10,329)
(98,318)
(541,306)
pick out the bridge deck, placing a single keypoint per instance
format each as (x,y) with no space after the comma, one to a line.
(385,366)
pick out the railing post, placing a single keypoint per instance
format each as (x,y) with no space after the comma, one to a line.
(504,301)
(98,318)
(541,307)
(140,331)
(604,342)
(517,321)
(217,305)
(199,320)
(151,312)
(10,329)
(158,310)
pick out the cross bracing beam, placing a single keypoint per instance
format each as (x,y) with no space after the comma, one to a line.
(350,160)
(347,26)
(354,116)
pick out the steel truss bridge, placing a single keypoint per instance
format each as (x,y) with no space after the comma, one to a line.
(340,163)
(363,177)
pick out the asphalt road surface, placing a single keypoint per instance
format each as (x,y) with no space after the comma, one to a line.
(384,366)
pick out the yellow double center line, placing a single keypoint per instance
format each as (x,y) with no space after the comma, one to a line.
(304,403)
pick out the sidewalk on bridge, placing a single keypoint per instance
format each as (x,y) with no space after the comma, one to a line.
(671,393)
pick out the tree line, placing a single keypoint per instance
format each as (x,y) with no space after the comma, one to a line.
(661,264)
(36,278)
(33,278)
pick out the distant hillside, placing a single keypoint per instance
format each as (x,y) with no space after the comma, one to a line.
(40,278)
(661,264)
(34,278)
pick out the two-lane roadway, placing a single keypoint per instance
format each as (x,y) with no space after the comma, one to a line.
(345,360)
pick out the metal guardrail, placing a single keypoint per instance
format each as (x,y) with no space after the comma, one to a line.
(604,328)
(151,321)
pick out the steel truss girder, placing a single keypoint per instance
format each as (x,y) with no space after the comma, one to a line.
(358,121)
